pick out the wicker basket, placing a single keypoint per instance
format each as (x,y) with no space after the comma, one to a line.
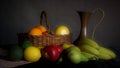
(44,40)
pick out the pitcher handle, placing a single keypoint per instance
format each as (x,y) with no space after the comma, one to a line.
(101,19)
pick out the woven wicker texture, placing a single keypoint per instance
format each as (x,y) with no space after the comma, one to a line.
(44,40)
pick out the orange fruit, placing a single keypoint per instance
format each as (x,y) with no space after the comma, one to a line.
(35,31)
(42,28)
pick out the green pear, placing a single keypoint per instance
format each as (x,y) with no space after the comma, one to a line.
(73,48)
(74,56)
(84,58)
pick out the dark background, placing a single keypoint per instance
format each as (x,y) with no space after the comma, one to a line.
(17,16)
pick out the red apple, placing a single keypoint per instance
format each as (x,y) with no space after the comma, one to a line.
(59,47)
(52,52)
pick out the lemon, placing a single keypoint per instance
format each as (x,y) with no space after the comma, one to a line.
(32,54)
(62,30)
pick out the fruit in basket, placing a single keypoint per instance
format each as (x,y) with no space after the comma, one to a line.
(52,52)
(15,53)
(62,30)
(35,32)
(43,29)
(32,54)
(38,31)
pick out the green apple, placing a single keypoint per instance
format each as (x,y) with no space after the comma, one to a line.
(62,30)
(66,45)
(25,44)
(74,56)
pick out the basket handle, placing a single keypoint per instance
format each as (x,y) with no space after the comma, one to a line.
(43,13)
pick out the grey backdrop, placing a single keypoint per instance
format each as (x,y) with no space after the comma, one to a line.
(21,15)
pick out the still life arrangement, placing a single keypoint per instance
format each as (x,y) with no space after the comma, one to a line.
(56,46)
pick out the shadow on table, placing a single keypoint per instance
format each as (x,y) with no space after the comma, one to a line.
(66,64)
